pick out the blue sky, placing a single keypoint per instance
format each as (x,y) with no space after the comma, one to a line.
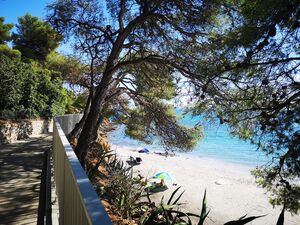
(12,9)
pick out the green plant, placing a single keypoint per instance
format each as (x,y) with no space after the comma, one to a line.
(101,157)
(170,214)
(127,190)
(243,220)
(204,212)
(280,220)
(166,213)
(124,190)
(34,38)
(9,52)
(29,91)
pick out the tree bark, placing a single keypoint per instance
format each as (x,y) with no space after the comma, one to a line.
(94,117)
(92,121)
(78,127)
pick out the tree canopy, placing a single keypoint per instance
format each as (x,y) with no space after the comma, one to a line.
(30,88)
(72,70)
(126,44)
(28,91)
(5,31)
(241,60)
(34,38)
(250,80)
(5,36)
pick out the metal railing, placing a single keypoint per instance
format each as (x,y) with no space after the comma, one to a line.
(77,200)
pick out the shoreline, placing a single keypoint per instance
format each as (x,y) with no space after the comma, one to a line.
(231,190)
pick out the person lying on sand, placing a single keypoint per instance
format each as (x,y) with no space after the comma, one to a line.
(157,187)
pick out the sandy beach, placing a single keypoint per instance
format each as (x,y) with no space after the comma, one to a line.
(231,190)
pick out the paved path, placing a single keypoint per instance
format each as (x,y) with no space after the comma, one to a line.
(20,171)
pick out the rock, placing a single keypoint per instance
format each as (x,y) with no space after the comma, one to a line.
(220,182)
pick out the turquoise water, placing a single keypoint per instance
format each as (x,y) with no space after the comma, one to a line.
(217,143)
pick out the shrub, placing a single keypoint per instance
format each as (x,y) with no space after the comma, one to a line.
(29,91)
(169,213)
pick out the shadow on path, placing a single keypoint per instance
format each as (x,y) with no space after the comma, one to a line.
(20,171)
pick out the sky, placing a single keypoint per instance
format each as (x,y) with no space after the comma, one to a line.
(12,9)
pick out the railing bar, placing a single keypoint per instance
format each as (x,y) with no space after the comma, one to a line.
(74,189)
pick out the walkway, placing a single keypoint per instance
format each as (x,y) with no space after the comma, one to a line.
(20,170)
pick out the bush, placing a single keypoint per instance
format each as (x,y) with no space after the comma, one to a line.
(169,213)
(29,91)
(11,53)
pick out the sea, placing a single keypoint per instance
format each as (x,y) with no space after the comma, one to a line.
(217,143)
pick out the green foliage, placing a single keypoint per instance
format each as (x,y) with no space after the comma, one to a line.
(155,119)
(72,71)
(243,220)
(124,190)
(170,214)
(151,116)
(11,53)
(63,102)
(153,81)
(70,68)
(11,75)
(4,38)
(34,38)
(204,212)
(101,156)
(29,91)
(249,80)
(80,101)
(4,31)
(283,191)
(136,128)
(280,220)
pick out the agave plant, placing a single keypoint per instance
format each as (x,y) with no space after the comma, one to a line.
(101,157)
(170,214)
(243,220)
(124,189)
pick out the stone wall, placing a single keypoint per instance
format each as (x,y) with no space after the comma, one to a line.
(41,126)
(17,130)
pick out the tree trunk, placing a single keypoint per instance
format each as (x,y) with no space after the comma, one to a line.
(92,121)
(78,127)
